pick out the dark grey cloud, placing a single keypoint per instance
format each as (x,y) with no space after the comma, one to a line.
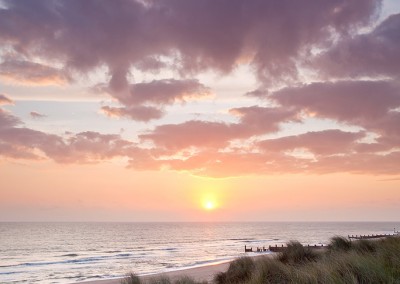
(198,35)
(373,54)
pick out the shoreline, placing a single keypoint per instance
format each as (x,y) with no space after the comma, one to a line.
(197,273)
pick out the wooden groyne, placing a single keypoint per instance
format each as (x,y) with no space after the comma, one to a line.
(258,249)
(281,248)
(377,236)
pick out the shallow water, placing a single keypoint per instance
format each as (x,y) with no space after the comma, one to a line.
(70,252)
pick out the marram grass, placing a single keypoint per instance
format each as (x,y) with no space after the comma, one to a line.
(364,261)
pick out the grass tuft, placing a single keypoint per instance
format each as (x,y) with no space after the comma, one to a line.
(131,279)
(340,244)
(160,280)
(296,253)
(239,270)
(364,246)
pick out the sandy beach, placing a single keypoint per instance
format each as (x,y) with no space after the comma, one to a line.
(201,273)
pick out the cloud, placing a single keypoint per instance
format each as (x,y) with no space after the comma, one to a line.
(363,103)
(92,146)
(262,120)
(20,142)
(192,133)
(165,91)
(36,115)
(31,73)
(358,72)
(386,164)
(238,163)
(150,64)
(138,113)
(85,147)
(195,35)
(7,120)
(252,121)
(4,100)
(145,101)
(209,162)
(334,150)
(139,100)
(372,105)
(373,54)
(326,142)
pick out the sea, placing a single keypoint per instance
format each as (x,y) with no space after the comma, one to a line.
(77,252)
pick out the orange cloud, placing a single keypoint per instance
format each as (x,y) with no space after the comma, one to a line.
(31,73)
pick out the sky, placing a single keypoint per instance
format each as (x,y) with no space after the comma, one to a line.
(230,110)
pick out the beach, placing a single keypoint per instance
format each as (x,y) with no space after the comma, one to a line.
(200,273)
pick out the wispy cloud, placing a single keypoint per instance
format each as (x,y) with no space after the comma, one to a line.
(36,115)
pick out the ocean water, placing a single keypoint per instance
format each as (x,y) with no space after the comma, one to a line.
(72,252)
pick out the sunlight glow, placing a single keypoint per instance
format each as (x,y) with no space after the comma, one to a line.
(209,205)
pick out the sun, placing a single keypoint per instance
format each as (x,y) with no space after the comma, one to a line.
(209,200)
(209,205)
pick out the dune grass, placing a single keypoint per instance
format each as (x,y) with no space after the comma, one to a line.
(364,261)
(361,261)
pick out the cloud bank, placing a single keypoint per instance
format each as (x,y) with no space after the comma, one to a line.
(353,59)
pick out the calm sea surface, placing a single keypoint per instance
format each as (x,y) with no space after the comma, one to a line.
(71,252)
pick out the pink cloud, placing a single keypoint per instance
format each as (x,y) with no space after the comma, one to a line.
(188,37)
(359,164)
(192,133)
(4,100)
(368,104)
(239,163)
(136,98)
(138,113)
(7,120)
(27,142)
(86,147)
(91,146)
(265,157)
(326,142)
(21,142)
(262,120)
(351,101)
(253,121)
(31,73)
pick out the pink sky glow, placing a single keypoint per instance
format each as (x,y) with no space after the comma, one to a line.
(146,110)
